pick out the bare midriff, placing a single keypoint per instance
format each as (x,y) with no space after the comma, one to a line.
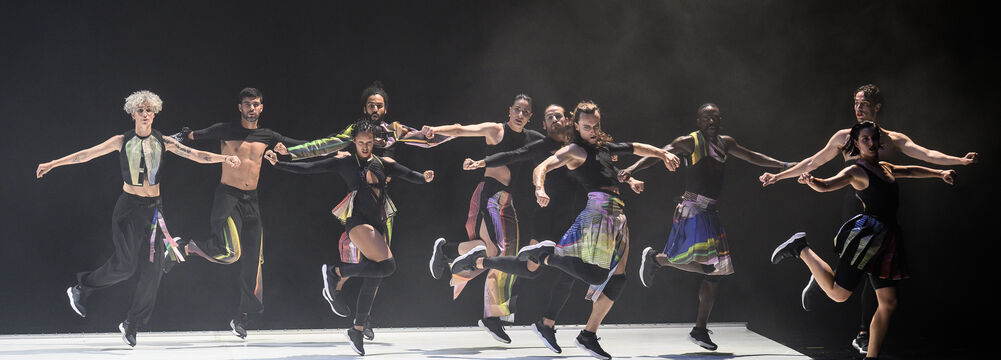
(499,173)
(251,154)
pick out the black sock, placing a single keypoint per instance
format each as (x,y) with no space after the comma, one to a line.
(510,265)
(367,268)
(589,273)
(366,296)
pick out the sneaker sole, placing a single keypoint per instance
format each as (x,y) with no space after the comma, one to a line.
(582,347)
(330,301)
(544,341)
(121,328)
(536,246)
(858,347)
(434,255)
(802,297)
(782,246)
(472,251)
(232,327)
(702,344)
(69,293)
(359,352)
(498,338)
(643,266)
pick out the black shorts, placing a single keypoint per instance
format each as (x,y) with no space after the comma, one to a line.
(848,277)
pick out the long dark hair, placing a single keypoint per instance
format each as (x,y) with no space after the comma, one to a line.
(850,148)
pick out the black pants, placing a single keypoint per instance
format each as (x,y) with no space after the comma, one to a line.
(130,231)
(238,237)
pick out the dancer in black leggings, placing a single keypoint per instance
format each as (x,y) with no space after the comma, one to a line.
(869,243)
(363,212)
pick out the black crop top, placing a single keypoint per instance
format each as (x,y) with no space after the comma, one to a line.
(140,157)
(597,171)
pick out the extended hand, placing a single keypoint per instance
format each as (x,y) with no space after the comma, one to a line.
(428,131)
(949,176)
(636,185)
(271,157)
(805,178)
(233,161)
(767,179)
(281,149)
(541,197)
(625,175)
(428,175)
(971,158)
(42,169)
(671,161)
(342,154)
(470,164)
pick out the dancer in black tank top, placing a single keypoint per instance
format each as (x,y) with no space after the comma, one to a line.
(870,242)
(492,223)
(140,157)
(697,242)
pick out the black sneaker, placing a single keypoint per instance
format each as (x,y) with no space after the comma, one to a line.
(168,261)
(548,336)
(493,326)
(439,262)
(467,261)
(700,337)
(77,300)
(790,248)
(239,326)
(368,332)
(588,341)
(128,330)
(331,294)
(648,266)
(357,343)
(810,293)
(861,343)
(536,253)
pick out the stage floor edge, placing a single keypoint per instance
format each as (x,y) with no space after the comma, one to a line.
(658,341)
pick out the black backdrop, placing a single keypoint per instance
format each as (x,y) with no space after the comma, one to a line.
(782,72)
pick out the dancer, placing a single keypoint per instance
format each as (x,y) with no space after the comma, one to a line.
(363,212)
(141,153)
(237,230)
(868,105)
(548,223)
(870,242)
(697,242)
(492,222)
(375,106)
(595,248)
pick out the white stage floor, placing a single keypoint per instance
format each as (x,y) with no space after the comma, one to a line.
(663,341)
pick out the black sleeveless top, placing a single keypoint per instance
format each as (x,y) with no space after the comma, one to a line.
(140,157)
(703,171)
(881,198)
(512,140)
(597,171)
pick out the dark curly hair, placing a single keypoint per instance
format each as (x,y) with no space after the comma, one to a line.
(591,108)
(374,89)
(366,125)
(850,148)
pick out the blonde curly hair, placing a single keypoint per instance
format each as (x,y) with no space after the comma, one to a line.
(141,97)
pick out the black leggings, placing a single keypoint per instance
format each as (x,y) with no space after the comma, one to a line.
(510,265)
(372,272)
(574,266)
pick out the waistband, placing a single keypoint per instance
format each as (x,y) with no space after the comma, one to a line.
(244,194)
(690,198)
(491,186)
(603,199)
(141,200)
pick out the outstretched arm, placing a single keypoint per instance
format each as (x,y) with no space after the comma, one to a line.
(921,172)
(490,130)
(568,155)
(912,149)
(204,157)
(828,153)
(82,156)
(670,160)
(679,145)
(752,157)
(331,164)
(847,176)
(398,171)
(533,150)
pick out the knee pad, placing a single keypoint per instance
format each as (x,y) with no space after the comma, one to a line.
(387,267)
(616,284)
